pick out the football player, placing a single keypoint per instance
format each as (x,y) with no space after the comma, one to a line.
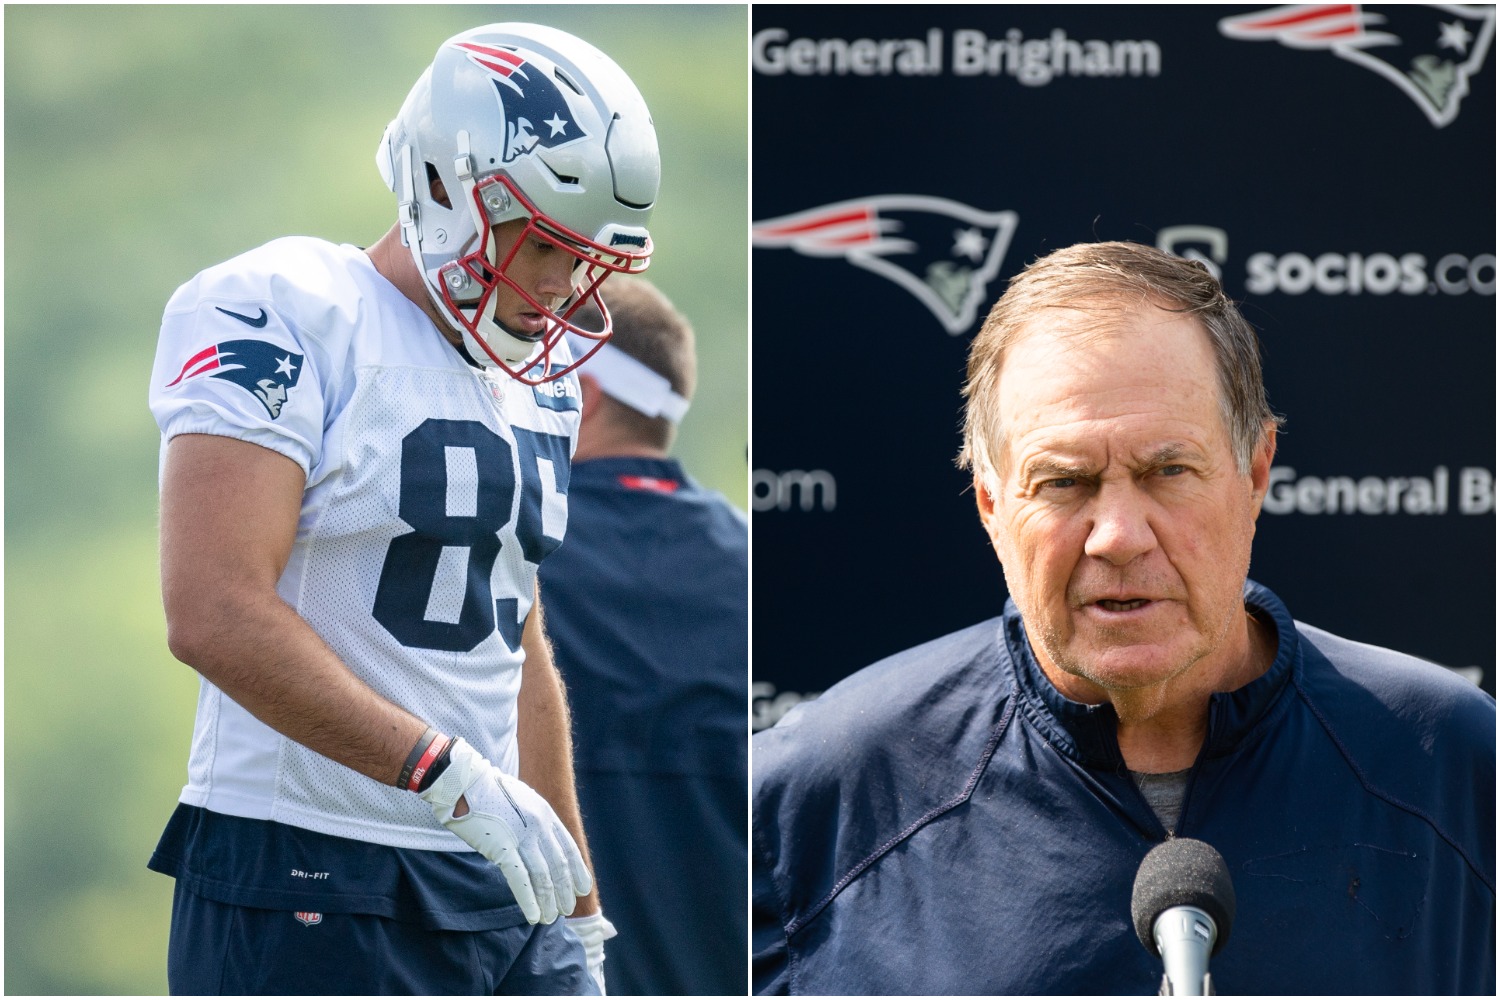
(365,455)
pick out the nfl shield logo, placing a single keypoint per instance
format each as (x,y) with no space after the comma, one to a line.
(308,918)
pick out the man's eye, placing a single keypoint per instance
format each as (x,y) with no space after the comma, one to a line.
(1059,484)
(1173,470)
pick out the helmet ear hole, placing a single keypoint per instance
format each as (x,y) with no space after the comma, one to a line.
(435,187)
(567,80)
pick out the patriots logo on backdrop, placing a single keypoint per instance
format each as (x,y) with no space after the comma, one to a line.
(943,252)
(536,114)
(264,370)
(1428,50)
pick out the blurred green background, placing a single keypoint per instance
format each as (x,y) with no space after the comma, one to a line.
(143,144)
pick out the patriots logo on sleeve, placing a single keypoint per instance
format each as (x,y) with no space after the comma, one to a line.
(264,370)
(536,114)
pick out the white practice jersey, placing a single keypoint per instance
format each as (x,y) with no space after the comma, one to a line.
(433,490)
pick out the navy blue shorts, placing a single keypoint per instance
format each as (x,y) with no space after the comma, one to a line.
(220,948)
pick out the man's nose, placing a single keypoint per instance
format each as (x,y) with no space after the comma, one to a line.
(1121,530)
(555,279)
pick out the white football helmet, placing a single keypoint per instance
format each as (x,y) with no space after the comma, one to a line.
(522,121)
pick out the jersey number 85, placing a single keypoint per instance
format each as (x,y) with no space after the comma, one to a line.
(444,541)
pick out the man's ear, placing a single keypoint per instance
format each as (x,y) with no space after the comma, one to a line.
(986,501)
(438,192)
(1260,466)
(983,498)
(588,387)
(986,498)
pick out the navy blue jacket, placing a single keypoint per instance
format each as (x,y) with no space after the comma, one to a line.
(944,822)
(646,605)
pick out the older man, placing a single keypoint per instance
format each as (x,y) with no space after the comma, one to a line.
(969,816)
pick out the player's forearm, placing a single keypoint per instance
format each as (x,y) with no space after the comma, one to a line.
(228,519)
(545,742)
(260,653)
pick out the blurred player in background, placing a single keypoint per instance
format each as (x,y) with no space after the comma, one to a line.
(365,456)
(647,609)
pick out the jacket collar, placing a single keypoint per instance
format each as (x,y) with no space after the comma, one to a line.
(1087,732)
(610,468)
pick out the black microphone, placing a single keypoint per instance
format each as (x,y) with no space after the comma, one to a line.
(1183,906)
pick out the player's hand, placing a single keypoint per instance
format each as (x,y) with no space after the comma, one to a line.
(593,930)
(514,827)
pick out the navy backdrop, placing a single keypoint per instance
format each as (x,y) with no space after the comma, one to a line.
(1335,163)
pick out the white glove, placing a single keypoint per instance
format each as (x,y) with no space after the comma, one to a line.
(514,827)
(593,931)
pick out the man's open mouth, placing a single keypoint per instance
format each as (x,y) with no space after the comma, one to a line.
(1131,605)
(528,326)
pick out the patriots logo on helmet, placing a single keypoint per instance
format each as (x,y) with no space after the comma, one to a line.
(264,370)
(943,252)
(1428,50)
(536,114)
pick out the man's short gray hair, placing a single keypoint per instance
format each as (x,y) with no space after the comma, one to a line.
(1108,278)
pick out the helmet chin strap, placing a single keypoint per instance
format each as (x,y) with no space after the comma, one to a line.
(511,349)
(406,207)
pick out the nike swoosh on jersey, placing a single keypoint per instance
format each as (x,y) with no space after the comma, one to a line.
(255,321)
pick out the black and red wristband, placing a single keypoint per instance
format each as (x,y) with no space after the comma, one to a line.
(425,741)
(428,759)
(433,763)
